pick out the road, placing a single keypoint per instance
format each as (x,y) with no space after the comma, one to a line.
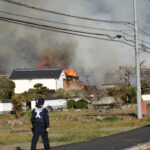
(114,142)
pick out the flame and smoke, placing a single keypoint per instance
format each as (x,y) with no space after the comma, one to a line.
(48,60)
(22,46)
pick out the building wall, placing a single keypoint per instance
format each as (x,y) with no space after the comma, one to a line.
(60,81)
(5,107)
(1,108)
(24,85)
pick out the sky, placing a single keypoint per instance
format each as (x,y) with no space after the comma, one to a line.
(22,46)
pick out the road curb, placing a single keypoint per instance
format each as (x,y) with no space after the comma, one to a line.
(143,146)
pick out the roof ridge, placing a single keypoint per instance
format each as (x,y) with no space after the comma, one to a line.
(37,69)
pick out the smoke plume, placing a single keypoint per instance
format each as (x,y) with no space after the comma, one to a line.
(22,46)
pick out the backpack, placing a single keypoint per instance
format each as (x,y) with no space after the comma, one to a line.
(38,115)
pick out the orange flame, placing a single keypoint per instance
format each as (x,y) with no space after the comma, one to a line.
(70,72)
(48,61)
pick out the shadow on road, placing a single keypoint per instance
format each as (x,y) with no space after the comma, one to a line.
(18,148)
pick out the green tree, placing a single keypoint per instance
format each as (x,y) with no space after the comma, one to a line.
(17,101)
(145,87)
(125,93)
(128,94)
(6,88)
(37,91)
(115,92)
(38,86)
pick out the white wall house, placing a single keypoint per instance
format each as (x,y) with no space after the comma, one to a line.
(25,79)
(5,106)
(54,103)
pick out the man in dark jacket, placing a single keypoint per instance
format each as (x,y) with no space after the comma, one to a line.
(40,125)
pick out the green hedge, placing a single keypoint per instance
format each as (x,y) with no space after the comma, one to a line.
(81,104)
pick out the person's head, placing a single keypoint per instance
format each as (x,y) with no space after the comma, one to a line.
(40,102)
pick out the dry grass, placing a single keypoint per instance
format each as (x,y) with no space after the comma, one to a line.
(69,127)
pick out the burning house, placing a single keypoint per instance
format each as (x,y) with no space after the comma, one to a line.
(71,82)
(49,71)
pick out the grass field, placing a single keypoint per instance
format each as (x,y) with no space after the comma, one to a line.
(70,126)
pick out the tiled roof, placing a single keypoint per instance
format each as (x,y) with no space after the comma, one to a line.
(5,100)
(34,73)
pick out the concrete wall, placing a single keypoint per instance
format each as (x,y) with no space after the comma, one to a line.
(5,107)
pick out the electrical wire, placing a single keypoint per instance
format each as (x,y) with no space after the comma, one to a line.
(45,27)
(70,31)
(57,22)
(141,30)
(144,32)
(63,14)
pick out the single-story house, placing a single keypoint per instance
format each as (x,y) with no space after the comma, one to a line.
(5,106)
(52,103)
(25,79)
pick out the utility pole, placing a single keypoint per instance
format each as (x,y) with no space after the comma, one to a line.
(137,59)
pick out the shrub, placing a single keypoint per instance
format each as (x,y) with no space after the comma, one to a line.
(17,104)
(71,104)
(81,104)
(6,88)
(26,114)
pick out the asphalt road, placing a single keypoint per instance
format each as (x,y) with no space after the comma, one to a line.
(114,142)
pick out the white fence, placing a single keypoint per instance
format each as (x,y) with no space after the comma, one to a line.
(5,106)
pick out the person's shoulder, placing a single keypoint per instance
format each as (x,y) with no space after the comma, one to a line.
(45,110)
(33,110)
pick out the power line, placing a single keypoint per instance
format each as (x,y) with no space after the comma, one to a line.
(71,32)
(146,34)
(39,19)
(68,31)
(63,14)
(142,31)
(62,23)
(45,27)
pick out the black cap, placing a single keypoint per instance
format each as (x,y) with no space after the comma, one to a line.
(40,101)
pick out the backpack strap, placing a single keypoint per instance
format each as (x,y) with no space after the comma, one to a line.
(38,111)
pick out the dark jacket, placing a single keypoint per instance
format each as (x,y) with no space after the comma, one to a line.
(40,117)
